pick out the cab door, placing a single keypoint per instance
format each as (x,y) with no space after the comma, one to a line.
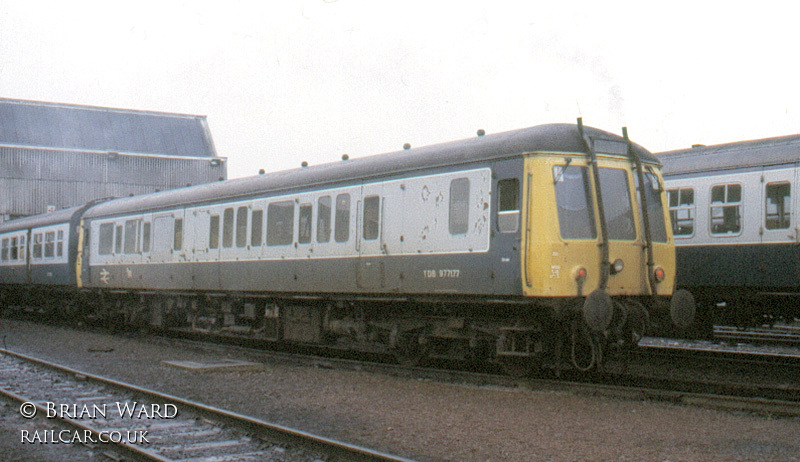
(625,242)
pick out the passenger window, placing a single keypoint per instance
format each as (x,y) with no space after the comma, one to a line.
(304,229)
(49,244)
(574,202)
(146,237)
(177,235)
(459,206)
(778,213)
(257,230)
(14,249)
(105,242)
(131,229)
(342,229)
(508,205)
(617,205)
(324,219)
(60,243)
(280,223)
(37,245)
(118,239)
(681,211)
(5,253)
(726,209)
(21,254)
(241,226)
(227,228)
(372,216)
(213,237)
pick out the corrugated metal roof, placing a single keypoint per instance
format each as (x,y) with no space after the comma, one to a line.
(89,128)
(742,154)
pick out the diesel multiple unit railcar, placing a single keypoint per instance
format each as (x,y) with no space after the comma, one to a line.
(542,244)
(734,212)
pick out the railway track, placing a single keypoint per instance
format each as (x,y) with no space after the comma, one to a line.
(147,425)
(777,400)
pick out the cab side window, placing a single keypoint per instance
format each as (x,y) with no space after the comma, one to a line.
(508,205)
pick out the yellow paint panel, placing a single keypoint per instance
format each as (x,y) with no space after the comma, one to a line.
(551,262)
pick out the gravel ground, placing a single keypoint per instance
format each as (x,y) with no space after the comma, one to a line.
(413,418)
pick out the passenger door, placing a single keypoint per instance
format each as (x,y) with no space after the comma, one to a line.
(777,263)
(778,204)
(369,238)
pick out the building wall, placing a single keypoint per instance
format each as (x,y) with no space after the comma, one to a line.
(35,179)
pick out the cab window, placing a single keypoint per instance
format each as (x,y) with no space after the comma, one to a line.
(617,206)
(655,209)
(574,202)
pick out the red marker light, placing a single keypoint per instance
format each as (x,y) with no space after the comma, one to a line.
(659,274)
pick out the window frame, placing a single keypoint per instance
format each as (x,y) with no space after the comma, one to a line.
(50,244)
(305,220)
(726,204)
(37,247)
(213,231)
(674,210)
(105,238)
(257,228)
(177,234)
(787,208)
(508,219)
(371,226)
(227,227)
(341,229)
(279,221)
(242,215)
(324,219)
(458,207)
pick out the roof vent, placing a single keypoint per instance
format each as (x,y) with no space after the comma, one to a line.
(304,164)
(481,132)
(698,146)
(345,157)
(407,146)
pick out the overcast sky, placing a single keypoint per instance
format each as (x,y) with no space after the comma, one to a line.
(284,82)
